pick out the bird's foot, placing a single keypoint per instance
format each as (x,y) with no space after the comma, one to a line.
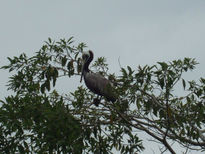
(96,101)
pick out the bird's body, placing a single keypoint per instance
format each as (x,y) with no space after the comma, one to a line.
(96,82)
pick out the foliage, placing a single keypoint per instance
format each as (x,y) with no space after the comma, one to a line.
(36,118)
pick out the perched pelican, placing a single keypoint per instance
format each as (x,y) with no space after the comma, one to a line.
(94,81)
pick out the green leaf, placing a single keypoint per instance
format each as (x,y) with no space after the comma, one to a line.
(202,80)
(161,113)
(47,85)
(63,61)
(155,111)
(76,55)
(43,86)
(70,40)
(54,82)
(163,65)
(49,40)
(79,65)
(161,82)
(130,70)
(21,149)
(124,72)
(169,82)
(184,83)
(55,75)
(95,131)
(70,65)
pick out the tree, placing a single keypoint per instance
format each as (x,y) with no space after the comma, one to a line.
(37,118)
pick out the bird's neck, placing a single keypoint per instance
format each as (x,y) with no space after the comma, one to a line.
(86,66)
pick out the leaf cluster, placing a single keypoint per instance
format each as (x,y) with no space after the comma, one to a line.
(37,118)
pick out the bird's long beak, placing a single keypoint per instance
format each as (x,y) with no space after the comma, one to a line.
(82,69)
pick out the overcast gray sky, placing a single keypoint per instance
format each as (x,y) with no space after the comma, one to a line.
(139,32)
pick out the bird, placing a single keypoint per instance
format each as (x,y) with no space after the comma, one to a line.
(97,83)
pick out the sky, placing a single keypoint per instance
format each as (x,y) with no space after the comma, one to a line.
(136,32)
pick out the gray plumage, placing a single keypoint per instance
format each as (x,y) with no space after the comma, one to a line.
(96,82)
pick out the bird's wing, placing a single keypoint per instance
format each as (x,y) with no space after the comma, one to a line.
(97,83)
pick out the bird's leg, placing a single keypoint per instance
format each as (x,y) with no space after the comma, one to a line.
(96,101)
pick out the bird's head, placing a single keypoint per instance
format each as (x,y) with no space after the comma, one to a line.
(87,57)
